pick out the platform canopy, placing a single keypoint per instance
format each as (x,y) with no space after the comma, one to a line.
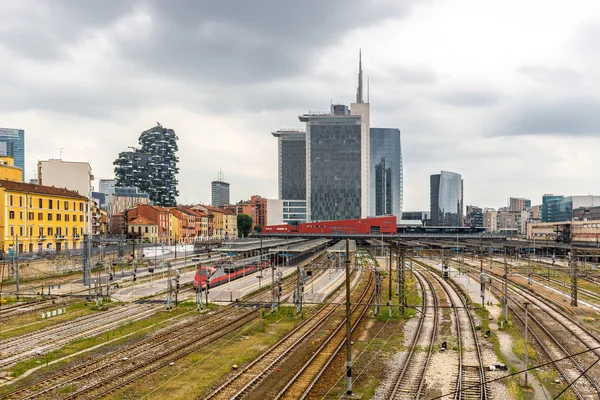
(340,247)
(253,245)
(302,247)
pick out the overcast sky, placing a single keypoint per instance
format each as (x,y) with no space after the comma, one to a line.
(505,93)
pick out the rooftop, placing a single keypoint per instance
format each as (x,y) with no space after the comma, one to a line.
(41,189)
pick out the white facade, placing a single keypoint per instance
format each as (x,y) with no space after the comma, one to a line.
(71,175)
(364,110)
(278,211)
(75,176)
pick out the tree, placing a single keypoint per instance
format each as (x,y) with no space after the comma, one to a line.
(258,228)
(244,225)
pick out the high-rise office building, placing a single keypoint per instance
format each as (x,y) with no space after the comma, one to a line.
(446,199)
(386,172)
(338,161)
(546,210)
(219,192)
(291,146)
(153,167)
(12,144)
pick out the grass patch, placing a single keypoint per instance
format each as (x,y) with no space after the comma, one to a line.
(33,321)
(85,343)
(196,374)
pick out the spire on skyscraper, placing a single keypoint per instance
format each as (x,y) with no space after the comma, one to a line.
(359,89)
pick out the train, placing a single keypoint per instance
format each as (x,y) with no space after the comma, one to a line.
(205,273)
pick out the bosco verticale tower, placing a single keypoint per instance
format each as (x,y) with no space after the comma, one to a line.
(153,167)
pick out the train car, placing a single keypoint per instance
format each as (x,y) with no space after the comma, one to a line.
(202,274)
(232,276)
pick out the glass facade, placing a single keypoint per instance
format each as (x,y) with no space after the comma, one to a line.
(548,209)
(12,144)
(446,199)
(386,181)
(334,166)
(292,167)
(220,193)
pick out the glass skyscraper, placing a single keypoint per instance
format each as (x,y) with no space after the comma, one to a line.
(386,172)
(292,164)
(334,145)
(446,199)
(12,144)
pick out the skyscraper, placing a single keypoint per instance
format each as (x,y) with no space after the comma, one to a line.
(12,144)
(219,192)
(446,199)
(291,146)
(338,160)
(386,172)
(153,167)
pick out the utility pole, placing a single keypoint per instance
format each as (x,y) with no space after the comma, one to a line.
(402,278)
(273,285)
(398,274)
(390,283)
(348,325)
(169,287)
(505,290)
(526,350)
(573,278)
(482,281)
(17,266)
(377,293)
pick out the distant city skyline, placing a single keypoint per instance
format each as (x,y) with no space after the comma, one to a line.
(530,100)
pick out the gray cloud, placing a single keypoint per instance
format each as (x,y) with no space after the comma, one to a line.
(469,98)
(578,116)
(549,75)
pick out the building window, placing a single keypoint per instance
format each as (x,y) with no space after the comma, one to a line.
(10,199)
(41,231)
(20,231)
(12,230)
(58,231)
(58,204)
(50,231)
(41,216)
(66,205)
(20,201)
(32,216)
(11,215)
(66,230)
(67,217)
(50,216)
(80,206)
(20,214)
(40,203)
(31,202)
(146,229)
(31,231)
(81,218)
(50,204)
(58,217)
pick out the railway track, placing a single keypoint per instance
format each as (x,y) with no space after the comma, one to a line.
(53,337)
(548,322)
(471,379)
(411,378)
(252,374)
(301,384)
(112,371)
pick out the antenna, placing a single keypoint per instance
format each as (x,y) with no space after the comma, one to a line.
(60,149)
(368,94)
(359,89)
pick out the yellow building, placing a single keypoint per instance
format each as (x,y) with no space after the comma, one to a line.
(40,218)
(143,228)
(8,171)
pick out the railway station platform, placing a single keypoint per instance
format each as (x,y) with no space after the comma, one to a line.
(252,247)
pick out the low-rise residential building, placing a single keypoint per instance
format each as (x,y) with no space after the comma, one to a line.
(161,216)
(99,220)
(518,204)
(40,218)
(143,228)
(223,224)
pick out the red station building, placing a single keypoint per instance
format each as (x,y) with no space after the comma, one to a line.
(375,225)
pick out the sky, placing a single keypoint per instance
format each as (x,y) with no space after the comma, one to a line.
(505,93)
